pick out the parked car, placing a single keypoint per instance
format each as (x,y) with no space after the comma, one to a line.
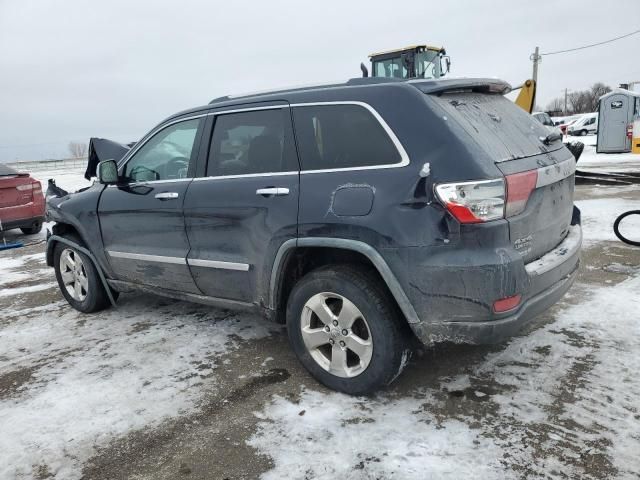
(362,214)
(567,122)
(546,120)
(586,124)
(22,202)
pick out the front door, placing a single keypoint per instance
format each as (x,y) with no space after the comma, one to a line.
(141,218)
(246,205)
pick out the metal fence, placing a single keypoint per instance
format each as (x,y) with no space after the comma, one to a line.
(41,165)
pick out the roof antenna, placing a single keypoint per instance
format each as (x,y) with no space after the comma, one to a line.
(365,72)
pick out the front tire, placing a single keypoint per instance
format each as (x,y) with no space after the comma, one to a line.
(78,279)
(346,330)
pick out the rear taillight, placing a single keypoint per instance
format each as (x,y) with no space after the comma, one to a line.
(519,188)
(485,200)
(473,202)
(37,188)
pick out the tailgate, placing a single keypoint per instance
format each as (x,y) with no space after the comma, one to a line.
(15,190)
(513,140)
(545,221)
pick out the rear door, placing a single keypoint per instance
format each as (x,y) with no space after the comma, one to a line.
(246,203)
(141,218)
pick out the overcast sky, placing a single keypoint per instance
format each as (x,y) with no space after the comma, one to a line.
(74,69)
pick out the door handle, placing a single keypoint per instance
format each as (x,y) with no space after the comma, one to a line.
(273,191)
(167,195)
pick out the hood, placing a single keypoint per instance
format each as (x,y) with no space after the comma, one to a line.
(101,149)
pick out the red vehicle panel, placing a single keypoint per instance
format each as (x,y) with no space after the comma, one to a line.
(22,203)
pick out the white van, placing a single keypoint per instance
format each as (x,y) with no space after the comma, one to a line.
(586,124)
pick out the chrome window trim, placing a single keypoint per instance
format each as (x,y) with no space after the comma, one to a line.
(404,157)
(153,182)
(246,175)
(197,262)
(147,258)
(247,109)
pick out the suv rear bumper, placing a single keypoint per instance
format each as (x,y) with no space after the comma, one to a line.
(454,301)
(494,331)
(22,223)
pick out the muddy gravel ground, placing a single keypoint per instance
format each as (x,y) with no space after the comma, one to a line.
(161,389)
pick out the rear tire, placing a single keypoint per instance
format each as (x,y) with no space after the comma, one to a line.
(78,279)
(358,342)
(33,229)
(583,133)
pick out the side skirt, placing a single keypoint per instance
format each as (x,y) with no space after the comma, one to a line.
(123,286)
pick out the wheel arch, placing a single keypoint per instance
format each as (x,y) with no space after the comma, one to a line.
(286,269)
(60,229)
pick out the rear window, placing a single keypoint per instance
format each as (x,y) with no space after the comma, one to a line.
(501,128)
(341,136)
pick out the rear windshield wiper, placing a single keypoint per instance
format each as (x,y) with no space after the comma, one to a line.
(552,137)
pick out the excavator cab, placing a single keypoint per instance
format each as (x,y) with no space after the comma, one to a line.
(418,61)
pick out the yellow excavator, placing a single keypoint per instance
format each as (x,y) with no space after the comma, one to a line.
(426,61)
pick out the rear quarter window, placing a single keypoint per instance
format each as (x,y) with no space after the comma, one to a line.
(341,136)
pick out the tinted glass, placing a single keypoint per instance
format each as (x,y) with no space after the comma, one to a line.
(341,136)
(245,143)
(166,156)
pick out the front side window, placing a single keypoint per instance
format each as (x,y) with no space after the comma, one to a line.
(166,156)
(258,141)
(341,136)
(428,64)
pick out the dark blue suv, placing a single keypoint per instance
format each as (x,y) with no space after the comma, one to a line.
(361,214)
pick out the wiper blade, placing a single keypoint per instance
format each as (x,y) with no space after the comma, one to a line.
(552,137)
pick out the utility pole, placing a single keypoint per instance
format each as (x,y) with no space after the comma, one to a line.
(536,59)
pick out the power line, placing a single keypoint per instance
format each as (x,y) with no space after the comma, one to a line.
(591,45)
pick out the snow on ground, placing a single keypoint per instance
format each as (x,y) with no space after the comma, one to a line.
(598,216)
(542,406)
(614,162)
(68,180)
(87,379)
(525,428)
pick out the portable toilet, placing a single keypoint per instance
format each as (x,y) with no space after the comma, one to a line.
(617,110)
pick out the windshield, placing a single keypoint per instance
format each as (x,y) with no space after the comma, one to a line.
(428,64)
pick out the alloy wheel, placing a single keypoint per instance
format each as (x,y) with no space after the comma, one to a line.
(336,334)
(74,275)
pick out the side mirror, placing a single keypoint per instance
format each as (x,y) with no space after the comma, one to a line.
(107,172)
(447,64)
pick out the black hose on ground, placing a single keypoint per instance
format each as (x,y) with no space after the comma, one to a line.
(616,228)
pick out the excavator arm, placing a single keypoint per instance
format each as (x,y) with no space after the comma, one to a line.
(527,96)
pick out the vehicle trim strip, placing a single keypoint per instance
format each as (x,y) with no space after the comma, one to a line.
(556,172)
(197,262)
(147,258)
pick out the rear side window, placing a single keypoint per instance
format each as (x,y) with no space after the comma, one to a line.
(258,141)
(341,136)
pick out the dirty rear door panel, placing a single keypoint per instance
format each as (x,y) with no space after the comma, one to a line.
(235,230)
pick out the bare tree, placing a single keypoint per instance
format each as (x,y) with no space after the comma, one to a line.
(597,90)
(78,150)
(555,105)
